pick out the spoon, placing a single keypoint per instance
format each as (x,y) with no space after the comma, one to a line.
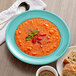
(21,8)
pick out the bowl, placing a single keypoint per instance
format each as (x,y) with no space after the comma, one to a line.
(59,64)
(61,25)
(46,68)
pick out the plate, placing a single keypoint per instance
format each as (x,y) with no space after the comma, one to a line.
(61,25)
(59,64)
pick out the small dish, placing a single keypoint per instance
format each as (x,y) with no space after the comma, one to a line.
(46,68)
(59,64)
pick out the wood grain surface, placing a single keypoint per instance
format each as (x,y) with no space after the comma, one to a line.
(9,65)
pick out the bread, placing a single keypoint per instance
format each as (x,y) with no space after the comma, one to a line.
(71,58)
(70,64)
(69,70)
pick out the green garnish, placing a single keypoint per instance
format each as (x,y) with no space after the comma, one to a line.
(28,38)
(29,33)
(35,32)
(31,36)
(47,42)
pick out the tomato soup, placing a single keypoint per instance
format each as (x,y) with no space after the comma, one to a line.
(37,37)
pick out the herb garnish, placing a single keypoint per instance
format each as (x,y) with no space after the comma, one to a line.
(31,36)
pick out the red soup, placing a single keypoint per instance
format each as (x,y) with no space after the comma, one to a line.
(37,37)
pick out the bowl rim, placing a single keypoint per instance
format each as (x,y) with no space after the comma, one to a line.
(32,56)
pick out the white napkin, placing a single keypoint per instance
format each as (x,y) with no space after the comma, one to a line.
(5,15)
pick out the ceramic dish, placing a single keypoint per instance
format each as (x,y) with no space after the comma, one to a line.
(13,25)
(46,68)
(59,64)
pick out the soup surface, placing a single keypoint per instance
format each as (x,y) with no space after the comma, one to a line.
(37,37)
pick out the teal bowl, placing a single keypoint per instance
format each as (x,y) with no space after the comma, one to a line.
(61,25)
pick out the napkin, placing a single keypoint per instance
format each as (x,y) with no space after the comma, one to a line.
(5,15)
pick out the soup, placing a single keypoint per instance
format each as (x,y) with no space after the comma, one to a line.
(37,37)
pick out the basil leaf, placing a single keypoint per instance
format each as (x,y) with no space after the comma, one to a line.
(35,32)
(28,38)
(29,33)
(31,36)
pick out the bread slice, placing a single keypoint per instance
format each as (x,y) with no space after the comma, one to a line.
(71,58)
(69,70)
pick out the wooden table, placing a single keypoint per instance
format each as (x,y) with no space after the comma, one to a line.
(9,65)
